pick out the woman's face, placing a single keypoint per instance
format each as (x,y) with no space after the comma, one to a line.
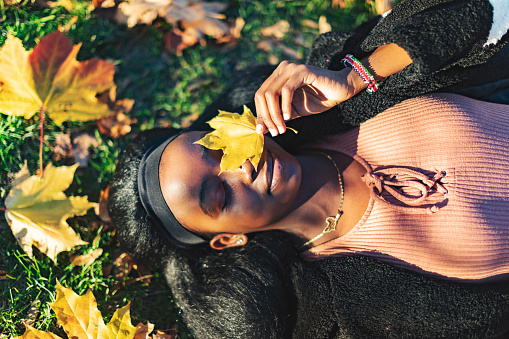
(240,201)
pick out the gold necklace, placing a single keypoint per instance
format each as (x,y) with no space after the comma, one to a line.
(331,223)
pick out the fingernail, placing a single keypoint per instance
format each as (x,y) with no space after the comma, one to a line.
(281,130)
(259,129)
(286,116)
(273,132)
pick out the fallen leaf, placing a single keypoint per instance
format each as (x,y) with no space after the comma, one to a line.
(236,136)
(277,31)
(121,266)
(33,313)
(80,317)
(81,143)
(143,330)
(3,275)
(87,259)
(177,40)
(323,25)
(50,78)
(192,20)
(115,125)
(341,3)
(62,147)
(161,335)
(118,123)
(33,333)
(37,210)
(101,209)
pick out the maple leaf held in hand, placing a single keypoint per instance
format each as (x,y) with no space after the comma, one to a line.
(37,210)
(50,78)
(236,136)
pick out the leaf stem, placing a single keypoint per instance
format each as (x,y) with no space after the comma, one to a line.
(3,209)
(41,142)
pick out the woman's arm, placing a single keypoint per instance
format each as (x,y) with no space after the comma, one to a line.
(304,90)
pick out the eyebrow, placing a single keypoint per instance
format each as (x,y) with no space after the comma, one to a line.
(202,196)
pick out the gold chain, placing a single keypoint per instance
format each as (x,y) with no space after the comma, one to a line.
(331,222)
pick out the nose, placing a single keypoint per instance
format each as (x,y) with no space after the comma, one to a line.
(246,171)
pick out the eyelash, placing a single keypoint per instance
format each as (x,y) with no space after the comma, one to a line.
(227,196)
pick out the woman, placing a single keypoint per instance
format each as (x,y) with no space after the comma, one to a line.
(307,206)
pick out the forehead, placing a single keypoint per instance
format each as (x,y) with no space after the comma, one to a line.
(181,171)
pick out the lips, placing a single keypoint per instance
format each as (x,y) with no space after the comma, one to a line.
(273,172)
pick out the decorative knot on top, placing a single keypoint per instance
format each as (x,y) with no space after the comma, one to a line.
(397,180)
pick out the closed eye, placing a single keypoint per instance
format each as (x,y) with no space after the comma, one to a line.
(227,196)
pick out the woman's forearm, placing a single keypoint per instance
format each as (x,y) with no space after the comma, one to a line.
(383,62)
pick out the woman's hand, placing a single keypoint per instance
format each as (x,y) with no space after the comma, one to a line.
(295,90)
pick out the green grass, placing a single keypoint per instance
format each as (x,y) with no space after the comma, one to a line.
(167,89)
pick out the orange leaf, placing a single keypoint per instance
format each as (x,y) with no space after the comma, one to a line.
(50,77)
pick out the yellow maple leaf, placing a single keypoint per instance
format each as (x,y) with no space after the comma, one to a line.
(37,210)
(50,78)
(80,318)
(33,333)
(236,136)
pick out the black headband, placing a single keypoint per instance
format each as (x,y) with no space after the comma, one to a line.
(153,201)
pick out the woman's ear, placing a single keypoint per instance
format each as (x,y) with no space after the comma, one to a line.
(225,240)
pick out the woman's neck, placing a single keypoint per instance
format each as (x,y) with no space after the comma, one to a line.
(320,196)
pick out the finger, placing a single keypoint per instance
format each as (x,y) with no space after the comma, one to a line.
(263,121)
(261,128)
(288,95)
(267,100)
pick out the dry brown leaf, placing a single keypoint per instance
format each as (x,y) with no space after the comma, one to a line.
(121,266)
(177,40)
(37,210)
(161,335)
(62,147)
(33,313)
(118,123)
(192,20)
(339,3)
(3,275)
(323,25)
(81,143)
(277,31)
(143,330)
(86,259)
(115,125)
(49,77)
(101,208)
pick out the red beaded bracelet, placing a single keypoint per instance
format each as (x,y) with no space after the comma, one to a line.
(369,80)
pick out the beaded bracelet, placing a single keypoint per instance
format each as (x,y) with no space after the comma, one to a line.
(351,61)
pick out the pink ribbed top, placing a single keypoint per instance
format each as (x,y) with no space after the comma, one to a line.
(454,150)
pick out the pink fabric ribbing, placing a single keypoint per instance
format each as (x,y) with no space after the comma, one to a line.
(443,134)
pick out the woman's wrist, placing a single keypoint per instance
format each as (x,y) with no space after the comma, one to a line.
(354,82)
